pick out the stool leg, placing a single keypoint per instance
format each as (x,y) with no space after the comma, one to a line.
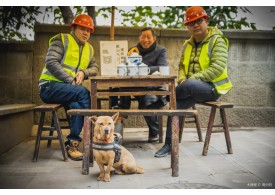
(198,126)
(226,131)
(51,131)
(181,128)
(209,131)
(38,136)
(160,129)
(59,134)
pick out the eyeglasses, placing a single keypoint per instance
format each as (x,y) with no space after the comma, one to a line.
(198,21)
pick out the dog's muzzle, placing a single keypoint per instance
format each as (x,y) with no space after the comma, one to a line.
(106,131)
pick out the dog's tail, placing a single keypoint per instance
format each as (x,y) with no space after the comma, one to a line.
(139,170)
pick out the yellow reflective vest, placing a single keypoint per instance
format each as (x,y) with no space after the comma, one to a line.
(222,83)
(74,58)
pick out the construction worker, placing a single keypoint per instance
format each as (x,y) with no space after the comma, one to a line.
(202,72)
(69,61)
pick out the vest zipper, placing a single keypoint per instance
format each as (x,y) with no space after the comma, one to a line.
(79,59)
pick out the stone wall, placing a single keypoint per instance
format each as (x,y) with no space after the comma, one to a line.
(251,67)
(16,63)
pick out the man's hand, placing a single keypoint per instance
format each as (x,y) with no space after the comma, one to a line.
(79,77)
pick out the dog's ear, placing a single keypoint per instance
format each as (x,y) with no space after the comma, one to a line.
(115,117)
(93,119)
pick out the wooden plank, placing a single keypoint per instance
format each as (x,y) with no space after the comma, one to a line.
(133,93)
(160,77)
(147,112)
(218,104)
(47,107)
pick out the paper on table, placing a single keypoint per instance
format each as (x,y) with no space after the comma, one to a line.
(112,53)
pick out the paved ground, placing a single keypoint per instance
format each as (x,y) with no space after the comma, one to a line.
(251,166)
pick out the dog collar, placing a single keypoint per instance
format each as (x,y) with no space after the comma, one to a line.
(109,146)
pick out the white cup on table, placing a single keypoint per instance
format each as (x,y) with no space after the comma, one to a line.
(122,70)
(132,69)
(164,70)
(143,69)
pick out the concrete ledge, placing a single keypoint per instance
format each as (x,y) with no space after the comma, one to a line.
(16,124)
(161,32)
(15,108)
(25,46)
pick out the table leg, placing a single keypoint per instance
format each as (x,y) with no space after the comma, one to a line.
(175,146)
(93,94)
(172,90)
(86,146)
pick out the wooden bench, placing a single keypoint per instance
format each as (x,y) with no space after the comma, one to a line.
(87,133)
(224,124)
(55,126)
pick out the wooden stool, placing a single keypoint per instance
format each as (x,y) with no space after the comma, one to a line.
(221,106)
(195,120)
(55,126)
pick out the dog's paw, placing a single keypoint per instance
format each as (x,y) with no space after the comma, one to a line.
(100,177)
(107,178)
(118,172)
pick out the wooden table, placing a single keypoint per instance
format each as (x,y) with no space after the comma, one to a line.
(101,87)
(138,82)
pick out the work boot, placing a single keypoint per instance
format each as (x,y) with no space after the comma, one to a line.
(72,150)
(164,151)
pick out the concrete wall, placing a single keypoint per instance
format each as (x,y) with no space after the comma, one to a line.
(16,63)
(251,67)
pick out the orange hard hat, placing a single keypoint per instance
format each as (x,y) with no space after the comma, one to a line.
(84,20)
(193,13)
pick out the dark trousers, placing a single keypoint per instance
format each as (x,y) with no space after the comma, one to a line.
(71,97)
(189,93)
(146,102)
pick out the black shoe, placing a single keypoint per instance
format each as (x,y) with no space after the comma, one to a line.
(153,138)
(164,151)
(118,138)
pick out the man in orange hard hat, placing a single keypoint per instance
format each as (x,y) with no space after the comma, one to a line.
(69,61)
(202,72)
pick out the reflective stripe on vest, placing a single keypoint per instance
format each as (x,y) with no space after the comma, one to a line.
(222,83)
(75,58)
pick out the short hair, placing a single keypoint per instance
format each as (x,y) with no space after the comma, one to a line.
(148,28)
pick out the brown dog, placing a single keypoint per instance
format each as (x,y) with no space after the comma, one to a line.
(109,153)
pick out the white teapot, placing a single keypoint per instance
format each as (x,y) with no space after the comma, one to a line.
(134,58)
